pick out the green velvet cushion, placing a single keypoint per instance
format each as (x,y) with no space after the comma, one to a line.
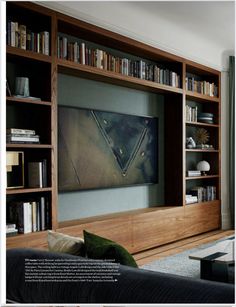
(100,248)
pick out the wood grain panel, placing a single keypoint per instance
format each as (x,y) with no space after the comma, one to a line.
(30,240)
(156,228)
(116,229)
(202,217)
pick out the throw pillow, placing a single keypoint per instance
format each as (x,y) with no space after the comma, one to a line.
(61,243)
(97,247)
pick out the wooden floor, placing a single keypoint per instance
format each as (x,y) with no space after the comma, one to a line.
(179,246)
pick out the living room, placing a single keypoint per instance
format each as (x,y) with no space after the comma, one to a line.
(120,145)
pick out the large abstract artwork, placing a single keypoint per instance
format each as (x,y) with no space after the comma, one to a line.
(104,149)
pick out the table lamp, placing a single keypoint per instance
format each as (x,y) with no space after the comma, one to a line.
(204,167)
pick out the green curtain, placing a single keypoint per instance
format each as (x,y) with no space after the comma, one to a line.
(232,137)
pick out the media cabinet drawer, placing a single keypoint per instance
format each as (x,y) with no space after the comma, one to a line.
(202,217)
(157,228)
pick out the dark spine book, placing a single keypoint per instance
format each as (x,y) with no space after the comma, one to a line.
(164,76)
(47,214)
(9,33)
(20,215)
(42,213)
(44,173)
(38,223)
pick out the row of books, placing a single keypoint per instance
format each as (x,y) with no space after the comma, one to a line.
(81,53)
(29,216)
(15,135)
(21,37)
(191,113)
(201,194)
(201,87)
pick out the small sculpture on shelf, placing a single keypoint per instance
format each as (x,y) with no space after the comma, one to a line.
(190,143)
(202,137)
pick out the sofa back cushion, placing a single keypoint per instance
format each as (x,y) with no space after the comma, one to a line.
(97,247)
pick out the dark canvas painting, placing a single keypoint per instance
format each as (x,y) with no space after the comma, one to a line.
(100,149)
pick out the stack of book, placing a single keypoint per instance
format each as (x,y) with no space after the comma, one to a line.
(190,199)
(191,114)
(15,135)
(81,53)
(30,216)
(194,173)
(201,87)
(11,230)
(21,37)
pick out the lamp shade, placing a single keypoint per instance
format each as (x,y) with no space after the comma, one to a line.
(203,166)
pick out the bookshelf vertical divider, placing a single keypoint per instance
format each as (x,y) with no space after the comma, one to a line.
(54,73)
(180,220)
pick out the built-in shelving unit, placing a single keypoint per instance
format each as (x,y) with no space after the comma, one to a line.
(136,229)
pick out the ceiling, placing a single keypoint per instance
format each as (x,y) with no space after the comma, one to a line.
(213,19)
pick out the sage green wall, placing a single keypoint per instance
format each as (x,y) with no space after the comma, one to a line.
(79,92)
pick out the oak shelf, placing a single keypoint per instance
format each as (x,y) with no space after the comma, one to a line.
(202,124)
(202,177)
(200,97)
(11,99)
(27,190)
(32,146)
(202,150)
(34,56)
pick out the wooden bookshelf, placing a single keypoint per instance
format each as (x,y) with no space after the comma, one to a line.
(11,99)
(135,229)
(34,56)
(202,150)
(202,177)
(31,146)
(200,97)
(30,190)
(202,124)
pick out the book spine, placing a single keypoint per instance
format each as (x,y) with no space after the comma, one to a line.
(38,216)
(9,33)
(22,29)
(46,42)
(42,213)
(13,36)
(17,35)
(44,173)
(83,53)
(20,218)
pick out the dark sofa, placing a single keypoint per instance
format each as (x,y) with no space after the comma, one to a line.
(133,286)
